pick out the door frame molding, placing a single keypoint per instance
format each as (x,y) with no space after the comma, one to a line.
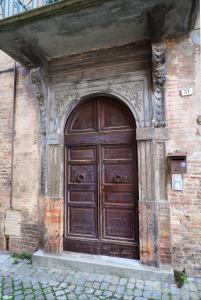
(133,89)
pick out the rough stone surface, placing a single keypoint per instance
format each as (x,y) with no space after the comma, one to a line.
(20,280)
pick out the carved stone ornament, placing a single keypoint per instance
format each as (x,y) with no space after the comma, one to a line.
(135,93)
(158,76)
(39,91)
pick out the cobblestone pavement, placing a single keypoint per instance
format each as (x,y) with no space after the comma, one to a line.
(22,281)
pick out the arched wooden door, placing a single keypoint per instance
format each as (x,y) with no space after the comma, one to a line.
(101,180)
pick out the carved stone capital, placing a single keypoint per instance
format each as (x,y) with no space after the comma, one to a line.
(39,90)
(158,76)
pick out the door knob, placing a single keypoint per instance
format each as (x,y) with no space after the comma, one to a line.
(117,178)
(80,177)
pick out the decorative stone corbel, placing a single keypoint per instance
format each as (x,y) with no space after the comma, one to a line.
(39,90)
(158,76)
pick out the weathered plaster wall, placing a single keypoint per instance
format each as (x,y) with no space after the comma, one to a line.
(183,71)
(26,163)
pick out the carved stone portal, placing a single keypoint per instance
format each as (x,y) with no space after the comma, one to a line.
(133,88)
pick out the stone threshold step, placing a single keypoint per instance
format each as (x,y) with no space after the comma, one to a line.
(99,264)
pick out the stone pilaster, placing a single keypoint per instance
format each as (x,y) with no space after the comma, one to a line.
(154,218)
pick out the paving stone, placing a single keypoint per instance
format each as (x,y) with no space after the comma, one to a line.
(92,297)
(19,297)
(99,278)
(98,292)
(115,280)
(79,289)
(89,284)
(83,297)
(62,297)
(29,297)
(63,285)
(166,297)
(156,295)
(127,297)
(137,292)
(139,284)
(107,294)
(89,291)
(130,285)
(123,281)
(70,288)
(72,296)
(96,285)
(120,289)
(104,285)
(107,279)
(118,296)
(112,288)
(147,294)
(129,292)
(59,293)
(175,297)
(132,280)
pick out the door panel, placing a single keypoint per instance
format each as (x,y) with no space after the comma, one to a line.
(101,187)
(82,221)
(85,119)
(82,154)
(118,223)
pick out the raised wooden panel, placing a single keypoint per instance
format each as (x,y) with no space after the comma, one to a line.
(85,119)
(115,197)
(113,116)
(101,192)
(118,173)
(122,152)
(82,221)
(82,174)
(82,154)
(118,223)
(82,196)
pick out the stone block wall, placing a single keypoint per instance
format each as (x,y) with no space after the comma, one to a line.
(183,71)
(26,171)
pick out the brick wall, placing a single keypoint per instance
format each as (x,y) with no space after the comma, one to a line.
(6,107)
(26,171)
(183,71)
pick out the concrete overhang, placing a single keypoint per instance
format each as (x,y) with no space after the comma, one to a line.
(71,27)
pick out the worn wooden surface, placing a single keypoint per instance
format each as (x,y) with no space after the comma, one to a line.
(101,180)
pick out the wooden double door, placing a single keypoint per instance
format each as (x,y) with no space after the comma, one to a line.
(101,180)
